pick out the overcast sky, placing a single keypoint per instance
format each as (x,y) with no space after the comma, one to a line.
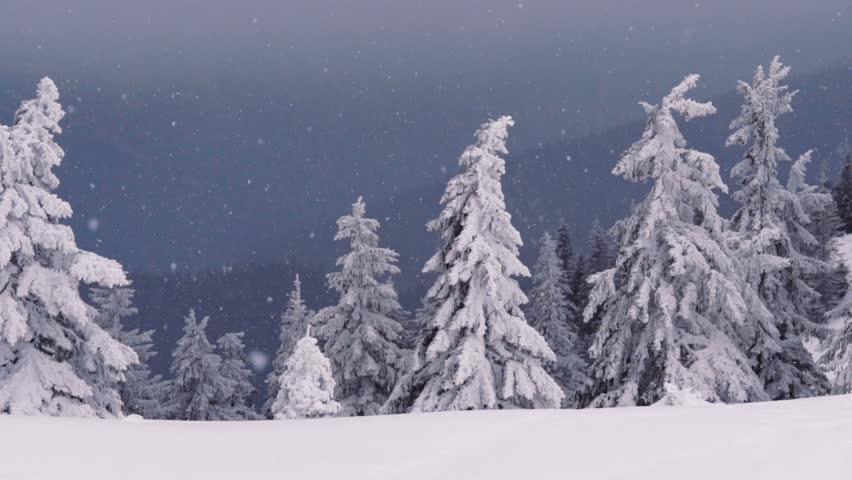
(180,105)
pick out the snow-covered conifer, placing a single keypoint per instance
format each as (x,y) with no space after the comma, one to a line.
(773,236)
(50,345)
(234,403)
(549,314)
(837,358)
(843,188)
(672,306)
(198,384)
(362,334)
(568,263)
(826,226)
(600,258)
(294,321)
(477,350)
(141,392)
(307,384)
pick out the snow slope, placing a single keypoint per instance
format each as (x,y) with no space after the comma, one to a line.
(797,439)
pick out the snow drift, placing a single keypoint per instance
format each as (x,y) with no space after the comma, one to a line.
(775,440)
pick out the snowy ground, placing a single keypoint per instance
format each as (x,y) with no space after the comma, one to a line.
(800,439)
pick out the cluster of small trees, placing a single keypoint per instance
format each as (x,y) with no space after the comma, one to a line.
(687,307)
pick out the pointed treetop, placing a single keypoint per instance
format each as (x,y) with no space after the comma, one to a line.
(765,100)
(297,287)
(44,110)
(661,147)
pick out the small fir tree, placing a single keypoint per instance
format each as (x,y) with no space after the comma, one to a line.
(307,384)
(294,321)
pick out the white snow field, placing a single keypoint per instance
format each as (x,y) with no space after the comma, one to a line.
(799,439)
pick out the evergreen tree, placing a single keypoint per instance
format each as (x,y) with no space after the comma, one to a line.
(234,403)
(672,306)
(141,393)
(568,264)
(843,189)
(54,358)
(572,281)
(362,334)
(772,223)
(838,356)
(306,384)
(600,259)
(826,226)
(549,310)
(198,384)
(477,350)
(580,289)
(294,321)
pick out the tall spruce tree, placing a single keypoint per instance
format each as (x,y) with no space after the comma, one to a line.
(54,358)
(198,385)
(549,315)
(772,222)
(235,400)
(294,321)
(477,350)
(362,334)
(672,306)
(142,393)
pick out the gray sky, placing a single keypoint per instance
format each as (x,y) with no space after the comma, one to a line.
(202,122)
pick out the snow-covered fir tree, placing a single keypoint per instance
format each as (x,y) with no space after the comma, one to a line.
(477,350)
(673,305)
(600,259)
(837,358)
(142,393)
(362,334)
(549,315)
(306,384)
(198,385)
(235,401)
(843,188)
(294,321)
(50,345)
(825,226)
(568,261)
(772,222)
